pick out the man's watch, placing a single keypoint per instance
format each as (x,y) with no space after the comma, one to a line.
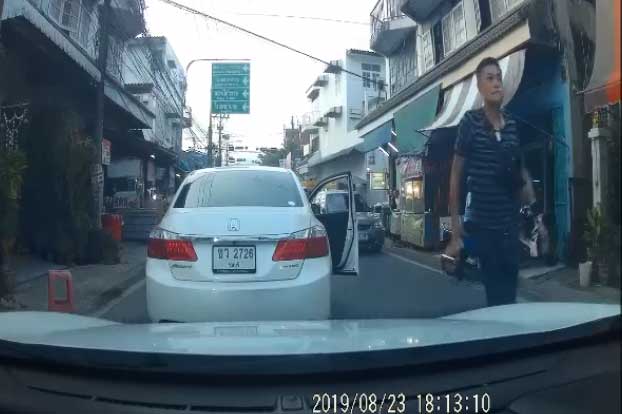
(535,208)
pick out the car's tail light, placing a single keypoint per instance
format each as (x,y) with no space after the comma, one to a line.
(169,246)
(305,244)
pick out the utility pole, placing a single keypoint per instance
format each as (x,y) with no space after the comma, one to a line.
(1,11)
(220,128)
(210,156)
(97,173)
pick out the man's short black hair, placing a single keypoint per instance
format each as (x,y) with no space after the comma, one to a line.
(487,61)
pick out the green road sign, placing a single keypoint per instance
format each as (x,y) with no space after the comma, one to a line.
(230,88)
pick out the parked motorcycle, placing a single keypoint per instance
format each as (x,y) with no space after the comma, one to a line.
(534,238)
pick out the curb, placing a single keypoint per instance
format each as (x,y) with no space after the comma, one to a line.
(33,278)
(110,294)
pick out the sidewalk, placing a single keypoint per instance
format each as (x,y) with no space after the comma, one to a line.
(93,285)
(536,283)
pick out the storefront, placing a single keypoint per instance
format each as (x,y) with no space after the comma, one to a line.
(418,219)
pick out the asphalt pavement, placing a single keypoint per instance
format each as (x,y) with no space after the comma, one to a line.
(388,286)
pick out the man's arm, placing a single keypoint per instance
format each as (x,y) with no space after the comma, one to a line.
(528,194)
(455,190)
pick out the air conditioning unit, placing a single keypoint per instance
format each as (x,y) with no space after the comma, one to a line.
(355,113)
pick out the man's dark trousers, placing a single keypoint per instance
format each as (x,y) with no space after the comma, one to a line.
(498,253)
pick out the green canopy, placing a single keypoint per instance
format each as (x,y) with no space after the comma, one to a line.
(413,117)
(376,138)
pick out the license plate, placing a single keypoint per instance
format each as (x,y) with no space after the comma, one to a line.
(234,259)
(363,236)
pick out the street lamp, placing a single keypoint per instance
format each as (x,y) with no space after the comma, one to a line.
(209,129)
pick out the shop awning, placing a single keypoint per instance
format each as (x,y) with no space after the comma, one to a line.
(604,86)
(464,95)
(413,117)
(314,159)
(320,160)
(376,138)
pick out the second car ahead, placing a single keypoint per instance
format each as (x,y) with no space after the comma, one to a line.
(242,243)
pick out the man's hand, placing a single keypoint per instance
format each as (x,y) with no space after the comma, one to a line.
(455,246)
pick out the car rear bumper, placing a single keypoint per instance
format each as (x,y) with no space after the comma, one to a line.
(305,298)
(374,239)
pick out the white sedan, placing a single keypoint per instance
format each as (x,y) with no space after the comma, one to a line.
(245,244)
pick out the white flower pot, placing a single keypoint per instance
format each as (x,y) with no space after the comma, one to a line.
(585,274)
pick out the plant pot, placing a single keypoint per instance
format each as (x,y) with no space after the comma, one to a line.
(585,274)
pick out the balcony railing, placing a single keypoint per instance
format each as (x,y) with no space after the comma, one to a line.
(385,17)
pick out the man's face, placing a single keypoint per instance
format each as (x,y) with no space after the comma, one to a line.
(490,85)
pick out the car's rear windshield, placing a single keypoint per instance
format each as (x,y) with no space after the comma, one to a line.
(240,188)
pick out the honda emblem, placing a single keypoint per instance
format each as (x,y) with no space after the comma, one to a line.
(234,225)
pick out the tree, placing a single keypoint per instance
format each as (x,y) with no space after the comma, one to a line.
(271,158)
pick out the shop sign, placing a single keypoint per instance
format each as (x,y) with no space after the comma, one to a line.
(378,181)
(106,150)
(412,167)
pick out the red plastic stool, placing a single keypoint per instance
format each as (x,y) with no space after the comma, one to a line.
(63,303)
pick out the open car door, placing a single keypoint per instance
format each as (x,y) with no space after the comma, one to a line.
(332,202)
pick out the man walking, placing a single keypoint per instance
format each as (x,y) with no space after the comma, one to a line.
(487,159)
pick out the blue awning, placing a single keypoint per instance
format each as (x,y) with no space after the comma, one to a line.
(376,138)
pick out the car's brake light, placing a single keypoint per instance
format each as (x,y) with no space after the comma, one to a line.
(169,246)
(306,244)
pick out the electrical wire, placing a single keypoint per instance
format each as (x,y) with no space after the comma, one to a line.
(322,19)
(267,39)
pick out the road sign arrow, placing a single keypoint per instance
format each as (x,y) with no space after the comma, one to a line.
(245,94)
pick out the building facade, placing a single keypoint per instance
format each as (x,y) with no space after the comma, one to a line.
(338,101)
(544,48)
(154,75)
(49,74)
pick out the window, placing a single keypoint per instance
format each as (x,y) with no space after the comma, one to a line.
(437,41)
(315,144)
(454,29)
(66,13)
(336,202)
(500,7)
(427,50)
(408,196)
(241,189)
(478,15)
(371,75)
(371,159)
(448,42)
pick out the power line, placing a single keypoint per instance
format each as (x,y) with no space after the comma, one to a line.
(323,19)
(267,39)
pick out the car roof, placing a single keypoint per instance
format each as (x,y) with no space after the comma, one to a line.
(199,173)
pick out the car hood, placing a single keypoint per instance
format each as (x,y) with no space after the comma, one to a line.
(292,338)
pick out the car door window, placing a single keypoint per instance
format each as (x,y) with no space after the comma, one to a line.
(337,203)
(331,204)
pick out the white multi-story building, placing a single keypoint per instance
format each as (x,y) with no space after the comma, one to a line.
(155,76)
(340,96)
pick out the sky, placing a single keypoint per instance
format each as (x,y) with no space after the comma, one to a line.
(279,78)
